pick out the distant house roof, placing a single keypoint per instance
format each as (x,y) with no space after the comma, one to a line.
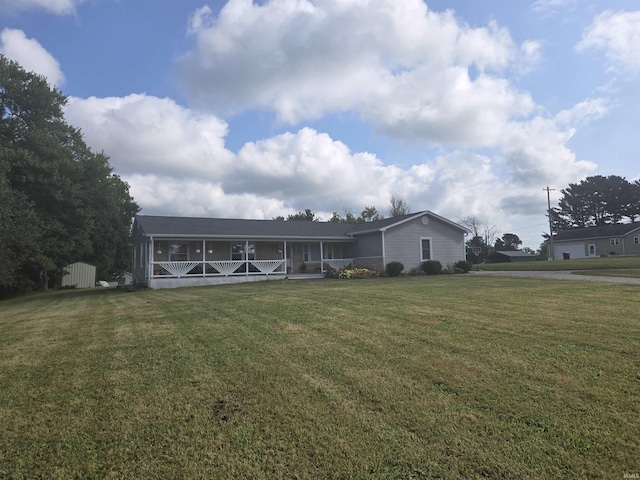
(160,226)
(514,253)
(603,231)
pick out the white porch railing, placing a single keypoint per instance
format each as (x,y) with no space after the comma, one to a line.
(338,263)
(267,266)
(220,268)
(178,269)
(226,267)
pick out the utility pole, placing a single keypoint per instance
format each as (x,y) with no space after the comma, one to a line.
(550,253)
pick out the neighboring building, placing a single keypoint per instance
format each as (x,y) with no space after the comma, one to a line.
(79,275)
(182,251)
(504,256)
(616,239)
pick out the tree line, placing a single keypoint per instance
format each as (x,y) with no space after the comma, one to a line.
(596,201)
(397,207)
(61,202)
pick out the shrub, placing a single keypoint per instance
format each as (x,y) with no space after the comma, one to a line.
(394,269)
(432,267)
(351,273)
(464,265)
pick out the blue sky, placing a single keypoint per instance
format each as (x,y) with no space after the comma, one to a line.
(257,109)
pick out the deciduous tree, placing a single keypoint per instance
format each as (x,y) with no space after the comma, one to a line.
(398,207)
(76,208)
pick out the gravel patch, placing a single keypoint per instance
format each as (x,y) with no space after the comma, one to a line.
(561,275)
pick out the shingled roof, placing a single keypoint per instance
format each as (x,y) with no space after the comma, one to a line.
(602,231)
(161,226)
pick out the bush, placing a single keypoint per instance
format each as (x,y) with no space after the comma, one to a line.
(463,265)
(432,267)
(351,273)
(394,269)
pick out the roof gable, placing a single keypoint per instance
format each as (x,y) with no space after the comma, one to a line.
(392,222)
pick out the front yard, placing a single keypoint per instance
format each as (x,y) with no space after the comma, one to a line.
(418,377)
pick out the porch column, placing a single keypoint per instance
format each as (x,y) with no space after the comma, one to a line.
(204,269)
(284,256)
(384,253)
(152,247)
(246,257)
(321,257)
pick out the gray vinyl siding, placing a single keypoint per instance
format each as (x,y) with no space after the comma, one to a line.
(402,243)
(369,245)
(632,248)
(627,246)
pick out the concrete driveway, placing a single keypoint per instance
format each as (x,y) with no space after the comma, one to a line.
(561,275)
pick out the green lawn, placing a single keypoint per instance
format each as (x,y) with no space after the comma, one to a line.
(617,272)
(454,376)
(611,263)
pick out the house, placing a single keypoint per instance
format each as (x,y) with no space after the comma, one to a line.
(183,251)
(79,275)
(505,256)
(616,239)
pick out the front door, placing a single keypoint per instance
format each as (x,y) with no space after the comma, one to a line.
(592,249)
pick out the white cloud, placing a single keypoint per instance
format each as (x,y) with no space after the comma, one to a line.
(165,195)
(15,45)
(154,135)
(58,7)
(411,72)
(617,36)
(553,7)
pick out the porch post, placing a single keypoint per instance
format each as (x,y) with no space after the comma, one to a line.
(321,257)
(152,246)
(284,256)
(246,257)
(204,270)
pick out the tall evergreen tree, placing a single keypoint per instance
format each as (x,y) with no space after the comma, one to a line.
(597,200)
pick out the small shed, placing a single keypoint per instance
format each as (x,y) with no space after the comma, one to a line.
(79,275)
(505,256)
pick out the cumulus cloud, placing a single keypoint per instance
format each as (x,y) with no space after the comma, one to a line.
(58,7)
(411,72)
(142,133)
(617,36)
(15,45)
(176,163)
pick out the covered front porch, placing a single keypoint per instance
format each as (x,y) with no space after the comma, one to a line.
(178,261)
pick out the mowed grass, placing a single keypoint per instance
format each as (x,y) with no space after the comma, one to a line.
(615,265)
(419,377)
(619,272)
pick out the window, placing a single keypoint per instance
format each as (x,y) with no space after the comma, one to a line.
(636,240)
(615,241)
(328,250)
(237,251)
(425,249)
(142,255)
(311,253)
(178,252)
